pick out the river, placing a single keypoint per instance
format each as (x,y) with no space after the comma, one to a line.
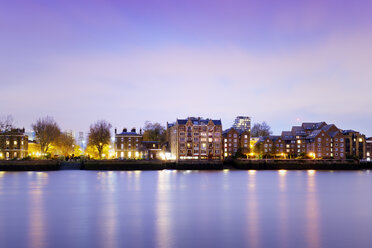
(186,209)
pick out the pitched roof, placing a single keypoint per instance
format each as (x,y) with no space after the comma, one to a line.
(275,137)
(333,134)
(287,135)
(129,134)
(313,125)
(314,134)
(198,121)
(298,130)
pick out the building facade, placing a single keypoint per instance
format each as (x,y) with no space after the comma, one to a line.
(13,144)
(128,145)
(235,140)
(369,149)
(195,139)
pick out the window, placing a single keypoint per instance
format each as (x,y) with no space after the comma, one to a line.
(7,142)
(246,136)
(341,139)
(15,142)
(319,139)
(210,139)
(235,135)
(15,154)
(122,146)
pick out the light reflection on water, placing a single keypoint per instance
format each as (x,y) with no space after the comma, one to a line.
(185,209)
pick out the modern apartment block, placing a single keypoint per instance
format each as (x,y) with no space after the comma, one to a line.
(128,145)
(242,123)
(319,139)
(195,139)
(234,139)
(13,144)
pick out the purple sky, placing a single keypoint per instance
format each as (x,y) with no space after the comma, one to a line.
(132,61)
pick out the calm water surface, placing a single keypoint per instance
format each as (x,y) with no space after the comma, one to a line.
(186,209)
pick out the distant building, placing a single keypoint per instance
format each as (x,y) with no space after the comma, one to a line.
(128,145)
(234,141)
(195,139)
(31,135)
(13,144)
(242,123)
(81,140)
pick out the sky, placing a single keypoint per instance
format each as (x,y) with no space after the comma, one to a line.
(127,62)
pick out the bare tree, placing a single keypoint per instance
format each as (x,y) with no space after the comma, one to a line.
(47,132)
(261,129)
(99,135)
(65,144)
(154,132)
(6,123)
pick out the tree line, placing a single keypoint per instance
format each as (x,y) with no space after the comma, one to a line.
(49,136)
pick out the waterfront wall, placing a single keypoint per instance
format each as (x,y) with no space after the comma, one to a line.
(29,165)
(297,164)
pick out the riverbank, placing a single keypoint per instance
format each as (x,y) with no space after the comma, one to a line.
(29,165)
(299,164)
(238,164)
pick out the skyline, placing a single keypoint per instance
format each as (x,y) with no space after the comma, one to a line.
(275,62)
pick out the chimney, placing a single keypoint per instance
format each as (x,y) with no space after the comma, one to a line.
(115,130)
(133,130)
(140,130)
(125,130)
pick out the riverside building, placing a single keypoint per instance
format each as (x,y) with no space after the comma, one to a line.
(322,140)
(128,144)
(195,139)
(13,144)
(236,140)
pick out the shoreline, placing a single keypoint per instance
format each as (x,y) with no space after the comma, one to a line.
(130,165)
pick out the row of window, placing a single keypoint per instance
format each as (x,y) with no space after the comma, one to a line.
(210,140)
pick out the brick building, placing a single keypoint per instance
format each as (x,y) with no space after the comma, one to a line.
(273,146)
(369,149)
(195,139)
(13,144)
(128,145)
(235,140)
(355,144)
(324,140)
